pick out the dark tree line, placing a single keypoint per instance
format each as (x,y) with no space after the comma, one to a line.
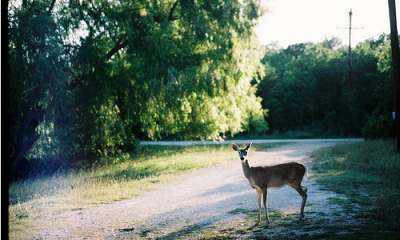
(307,88)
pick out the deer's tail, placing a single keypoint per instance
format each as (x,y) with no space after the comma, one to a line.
(305,176)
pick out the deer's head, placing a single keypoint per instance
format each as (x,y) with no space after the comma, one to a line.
(242,151)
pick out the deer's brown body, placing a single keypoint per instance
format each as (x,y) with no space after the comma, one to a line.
(274,176)
(263,177)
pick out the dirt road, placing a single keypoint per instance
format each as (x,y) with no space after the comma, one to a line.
(205,198)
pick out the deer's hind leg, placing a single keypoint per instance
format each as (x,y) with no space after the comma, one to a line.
(303,193)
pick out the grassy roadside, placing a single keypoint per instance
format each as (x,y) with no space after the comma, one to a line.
(368,174)
(35,201)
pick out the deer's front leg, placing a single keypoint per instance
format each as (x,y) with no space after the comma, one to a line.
(265,200)
(259,192)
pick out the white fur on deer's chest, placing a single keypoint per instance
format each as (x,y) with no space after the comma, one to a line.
(253,185)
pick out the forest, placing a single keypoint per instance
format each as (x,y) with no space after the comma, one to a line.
(308,88)
(88,79)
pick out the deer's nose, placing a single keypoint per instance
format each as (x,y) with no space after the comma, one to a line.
(241,158)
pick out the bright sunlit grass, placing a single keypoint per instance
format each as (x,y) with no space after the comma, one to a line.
(36,200)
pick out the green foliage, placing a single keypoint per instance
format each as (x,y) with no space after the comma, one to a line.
(306,88)
(38,84)
(300,85)
(88,78)
(199,98)
(178,75)
(378,126)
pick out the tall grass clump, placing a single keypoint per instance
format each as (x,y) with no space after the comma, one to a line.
(368,173)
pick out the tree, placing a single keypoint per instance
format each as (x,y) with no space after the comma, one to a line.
(305,89)
(375,86)
(93,76)
(38,85)
(183,60)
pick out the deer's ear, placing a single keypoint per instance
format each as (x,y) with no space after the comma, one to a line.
(248,146)
(235,147)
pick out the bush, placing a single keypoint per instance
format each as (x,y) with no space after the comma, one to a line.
(378,126)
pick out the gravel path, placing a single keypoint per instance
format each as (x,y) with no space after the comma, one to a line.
(203,198)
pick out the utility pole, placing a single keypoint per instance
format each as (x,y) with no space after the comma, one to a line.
(350,61)
(395,66)
(350,64)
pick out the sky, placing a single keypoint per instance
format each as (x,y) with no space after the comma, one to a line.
(289,22)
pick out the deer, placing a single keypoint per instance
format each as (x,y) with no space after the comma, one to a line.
(263,177)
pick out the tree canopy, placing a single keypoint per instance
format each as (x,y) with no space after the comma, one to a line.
(306,88)
(90,77)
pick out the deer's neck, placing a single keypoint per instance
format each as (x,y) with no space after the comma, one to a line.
(246,168)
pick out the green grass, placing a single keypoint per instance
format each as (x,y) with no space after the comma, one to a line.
(368,173)
(35,200)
